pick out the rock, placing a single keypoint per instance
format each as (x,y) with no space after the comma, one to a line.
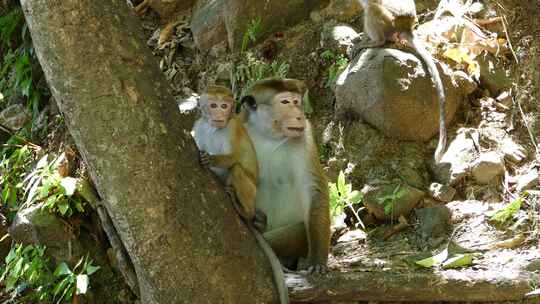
(213,20)
(402,197)
(208,25)
(15,116)
(487,167)
(492,74)
(167,9)
(458,158)
(224,72)
(354,235)
(433,221)
(35,225)
(528,181)
(512,151)
(338,37)
(505,98)
(390,90)
(342,10)
(441,192)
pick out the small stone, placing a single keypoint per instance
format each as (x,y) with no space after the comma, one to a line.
(15,116)
(505,98)
(403,199)
(353,235)
(337,37)
(441,192)
(433,221)
(489,166)
(458,158)
(527,181)
(512,151)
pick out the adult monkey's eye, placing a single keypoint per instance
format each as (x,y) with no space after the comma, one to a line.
(213,105)
(285,101)
(224,106)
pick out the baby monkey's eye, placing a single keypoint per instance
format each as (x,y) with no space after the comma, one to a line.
(285,101)
(224,106)
(213,105)
(296,102)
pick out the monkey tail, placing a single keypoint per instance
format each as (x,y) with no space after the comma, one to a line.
(436,77)
(277,270)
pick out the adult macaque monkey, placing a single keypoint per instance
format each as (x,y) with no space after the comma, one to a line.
(393,21)
(228,151)
(292,189)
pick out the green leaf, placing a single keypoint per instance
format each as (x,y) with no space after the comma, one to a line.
(90,269)
(69,184)
(62,270)
(63,206)
(435,260)
(508,211)
(459,260)
(82,283)
(355,197)
(341,183)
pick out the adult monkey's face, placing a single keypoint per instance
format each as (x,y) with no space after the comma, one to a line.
(289,119)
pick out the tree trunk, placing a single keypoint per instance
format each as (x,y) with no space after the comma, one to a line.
(183,237)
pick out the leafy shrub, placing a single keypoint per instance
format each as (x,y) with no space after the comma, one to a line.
(26,274)
(342,196)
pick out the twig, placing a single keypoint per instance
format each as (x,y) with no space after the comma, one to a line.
(529,130)
(24,140)
(505,28)
(403,224)
(484,22)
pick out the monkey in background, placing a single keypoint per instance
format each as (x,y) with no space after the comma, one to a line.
(292,189)
(393,21)
(228,151)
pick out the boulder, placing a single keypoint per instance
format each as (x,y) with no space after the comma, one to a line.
(391,90)
(214,20)
(35,225)
(402,197)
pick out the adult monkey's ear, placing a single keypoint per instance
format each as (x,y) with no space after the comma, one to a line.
(250,102)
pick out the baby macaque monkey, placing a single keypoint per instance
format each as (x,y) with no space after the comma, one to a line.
(394,21)
(292,189)
(228,151)
(226,148)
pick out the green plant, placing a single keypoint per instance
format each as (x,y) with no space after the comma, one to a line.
(71,283)
(342,196)
(17,78)
(252,33)
(507,212)
(27,269)
(15,161)
(389,200)
(252,69)
(338,63)
(45,184)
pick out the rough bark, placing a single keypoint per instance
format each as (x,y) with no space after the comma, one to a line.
(178,227)
(413,287)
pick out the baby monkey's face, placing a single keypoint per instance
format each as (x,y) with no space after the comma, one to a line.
(220,113)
